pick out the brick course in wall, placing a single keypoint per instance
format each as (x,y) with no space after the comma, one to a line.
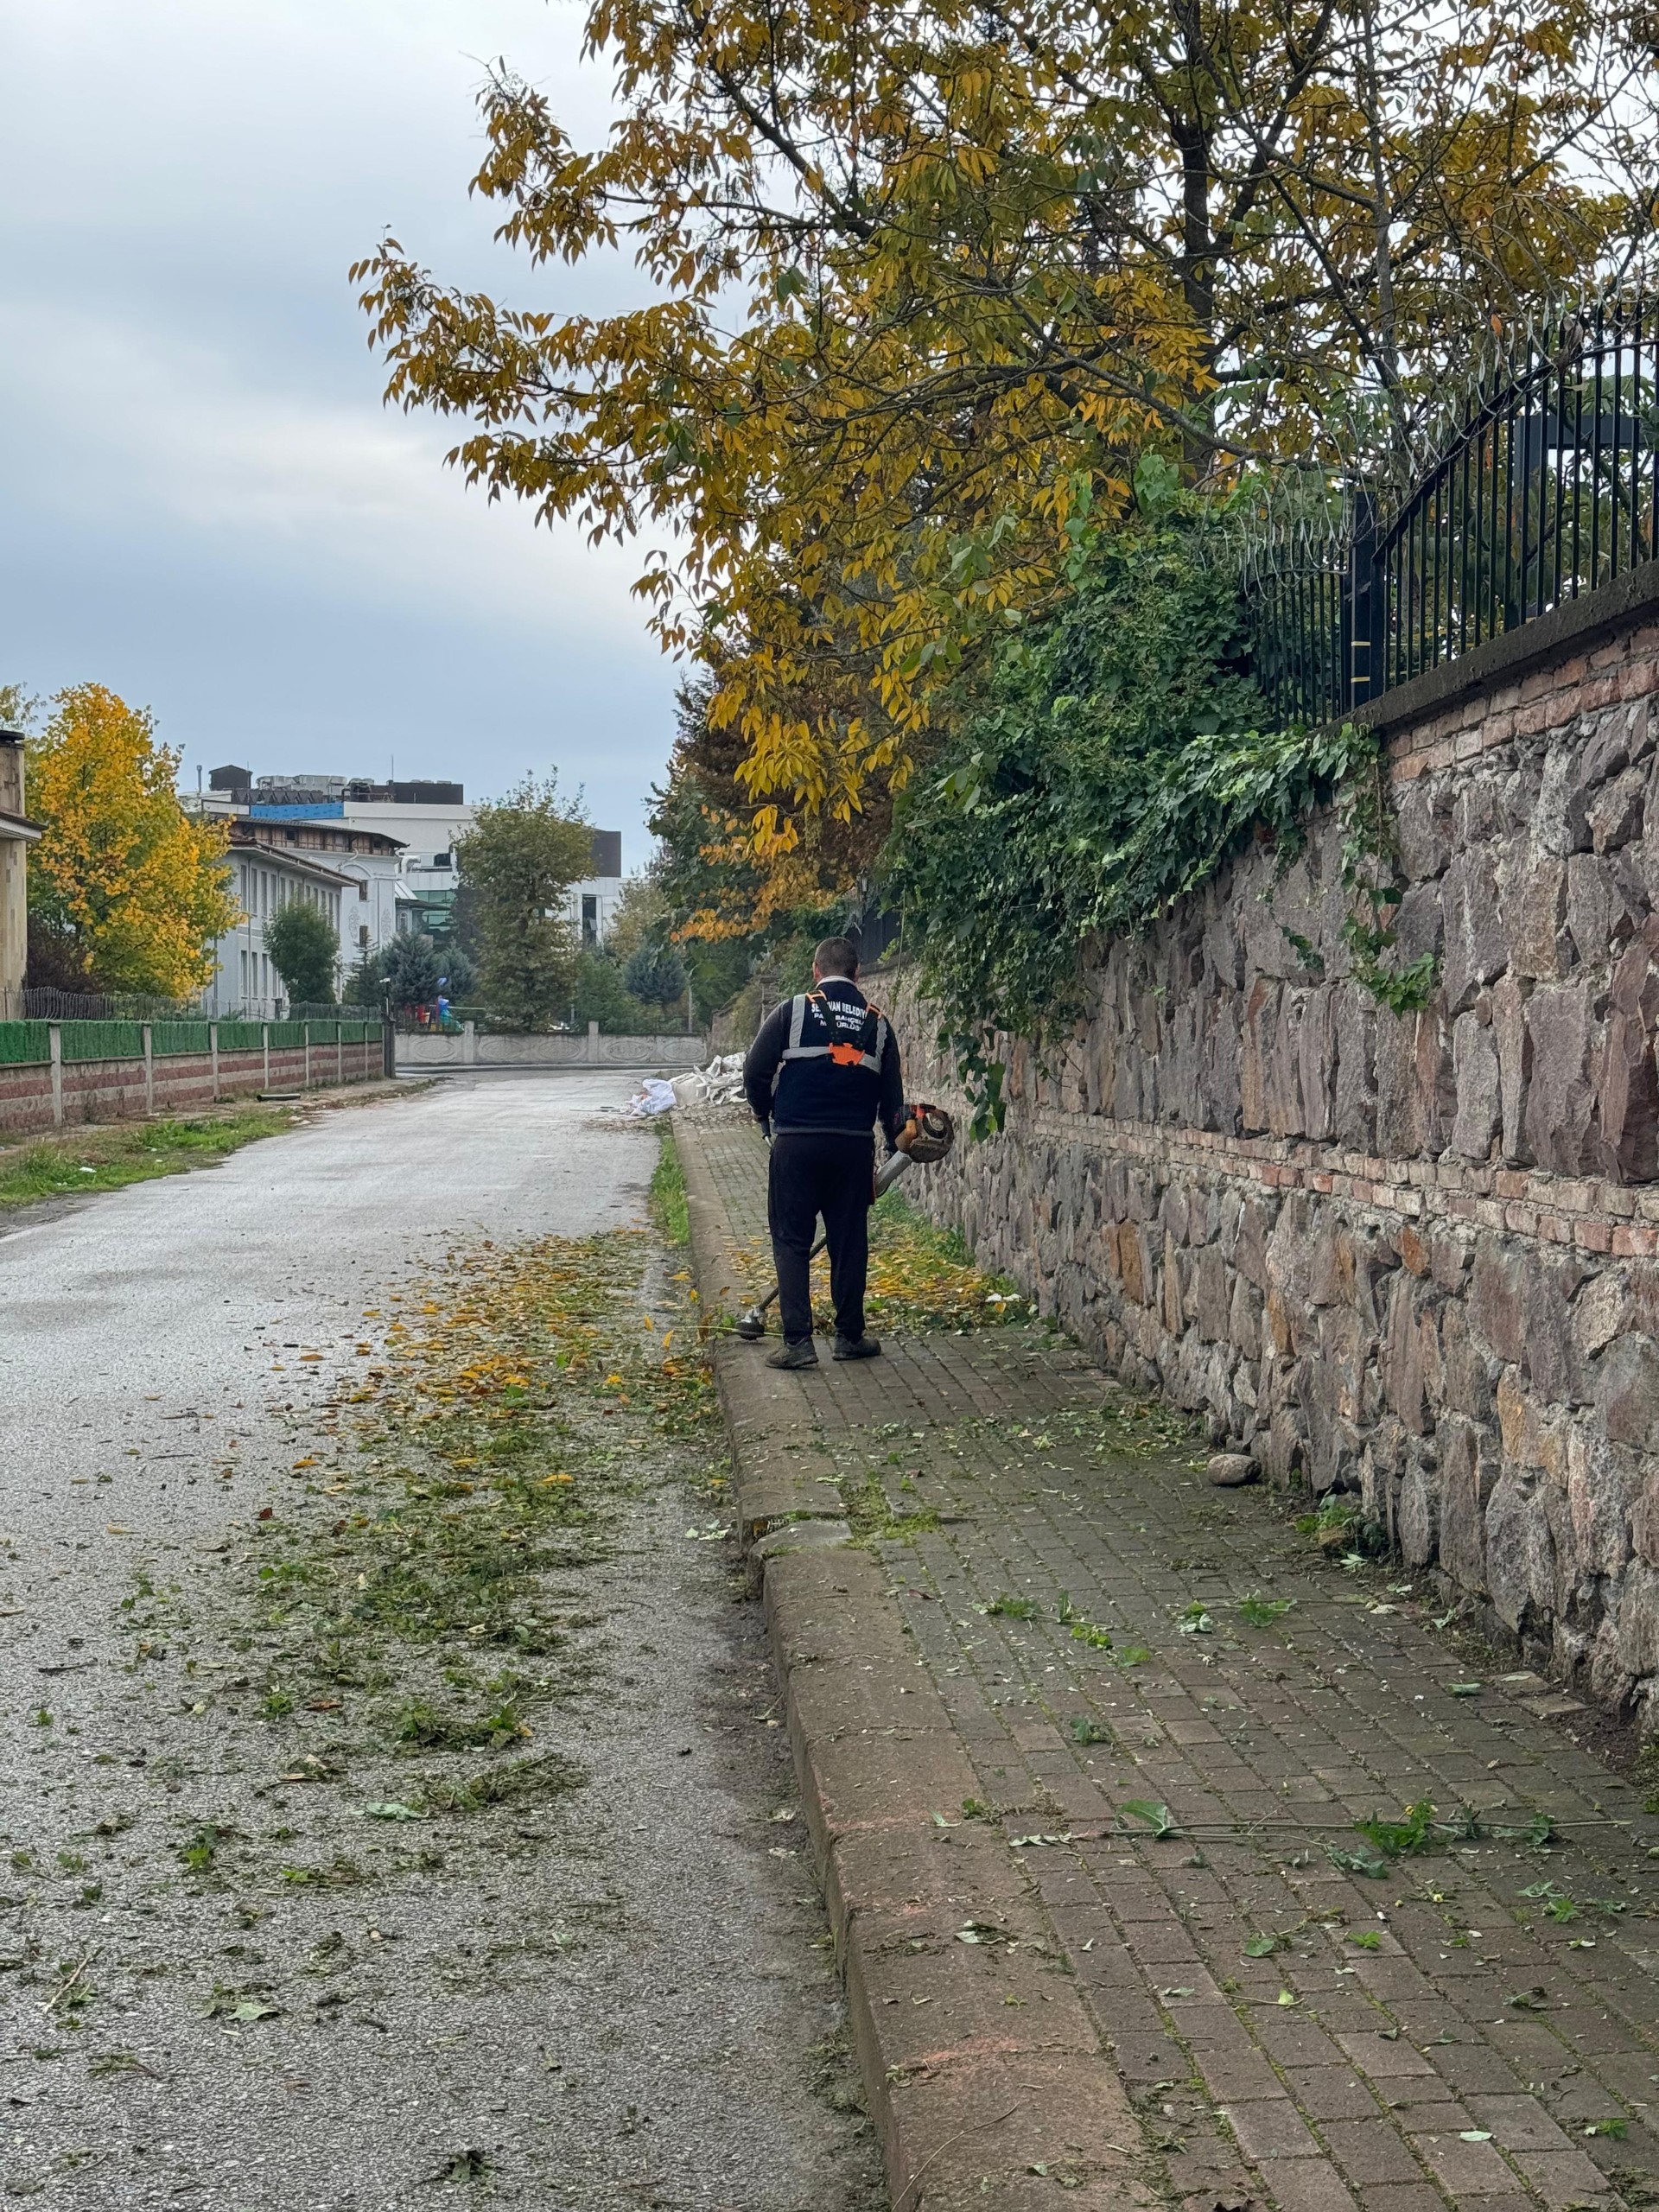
(1412,1256)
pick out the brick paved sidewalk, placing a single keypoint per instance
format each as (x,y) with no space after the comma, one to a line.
(1297,2018)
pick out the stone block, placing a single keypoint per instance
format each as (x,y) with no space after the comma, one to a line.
(1282,1084)
(1467,1372)
(1354,1102)
(1316,1064)
(1419,926)
(1561,1098)
(1520,1554)
(1627,1392)
(1551,1367)
(1614,816)
(1244,1321)
(1476,950)
(1467,1477)
(1534,916)
(1400,1119)
(1417,1516)
(1476,1085)
(1514,1042)
(1498,1301)
(1425,815)
(1644,1521)
(1208,1294)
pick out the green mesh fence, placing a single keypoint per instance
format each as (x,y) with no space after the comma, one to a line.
(103,1041)
(26,1043)
(23,1042)
(177,1037)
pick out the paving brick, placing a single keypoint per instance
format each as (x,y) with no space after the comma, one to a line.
(1370,2151)
(1464,2169)
(1271,2129)
(1266,1744)
(1560,2178)
(1388,2196)
(1331,2093)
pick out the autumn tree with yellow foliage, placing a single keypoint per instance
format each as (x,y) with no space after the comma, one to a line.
(926,285)
(126,892)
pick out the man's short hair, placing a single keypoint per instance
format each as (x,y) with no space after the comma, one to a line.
(836,956)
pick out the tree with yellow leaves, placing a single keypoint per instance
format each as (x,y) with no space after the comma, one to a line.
(125,889)
(927,284)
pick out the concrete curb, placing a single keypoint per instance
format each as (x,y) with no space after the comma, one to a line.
(986,2080)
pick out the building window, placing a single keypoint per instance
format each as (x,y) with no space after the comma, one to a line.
(589,918)
(363,888)
(440,859)
(363,933)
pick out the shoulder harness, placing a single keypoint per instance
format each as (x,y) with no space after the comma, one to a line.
(842,1053)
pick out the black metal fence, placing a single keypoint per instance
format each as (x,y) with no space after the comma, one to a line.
(1545,487)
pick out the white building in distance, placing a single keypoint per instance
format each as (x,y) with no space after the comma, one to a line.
(428,820)
(263,880)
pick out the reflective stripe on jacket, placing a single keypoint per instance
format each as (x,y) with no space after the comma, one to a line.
(822,1028)
(826,1060)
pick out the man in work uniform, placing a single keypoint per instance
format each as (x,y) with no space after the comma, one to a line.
(822,1071)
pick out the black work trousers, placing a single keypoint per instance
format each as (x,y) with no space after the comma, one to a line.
(816,1174)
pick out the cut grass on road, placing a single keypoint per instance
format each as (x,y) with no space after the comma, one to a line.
(668,1206)
(106,1155)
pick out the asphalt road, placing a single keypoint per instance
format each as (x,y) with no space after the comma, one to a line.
(635,2012)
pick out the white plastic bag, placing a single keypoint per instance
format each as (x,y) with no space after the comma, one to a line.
(657,1097)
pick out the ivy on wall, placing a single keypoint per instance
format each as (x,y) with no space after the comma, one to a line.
(1112,759)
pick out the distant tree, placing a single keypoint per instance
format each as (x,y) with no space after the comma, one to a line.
(459,975)
(599,994)
(656,974)
(125,889)
(517,863)
(641,913)
(412,969)
(19,708)
(304,949)
(718,973)
(363,983)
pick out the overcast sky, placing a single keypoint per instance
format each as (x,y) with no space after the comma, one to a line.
(206,506)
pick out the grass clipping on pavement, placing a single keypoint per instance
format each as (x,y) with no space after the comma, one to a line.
(921,1277)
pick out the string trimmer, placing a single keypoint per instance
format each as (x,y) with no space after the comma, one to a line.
(927,1136)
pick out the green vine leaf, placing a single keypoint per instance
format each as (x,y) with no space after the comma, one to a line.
(1109,760)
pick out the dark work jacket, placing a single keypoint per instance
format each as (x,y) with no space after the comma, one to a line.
(825,1089)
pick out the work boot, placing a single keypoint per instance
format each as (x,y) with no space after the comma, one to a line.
(865,1347)
(804,1354)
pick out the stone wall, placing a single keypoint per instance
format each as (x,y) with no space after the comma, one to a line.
(1412,1256)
